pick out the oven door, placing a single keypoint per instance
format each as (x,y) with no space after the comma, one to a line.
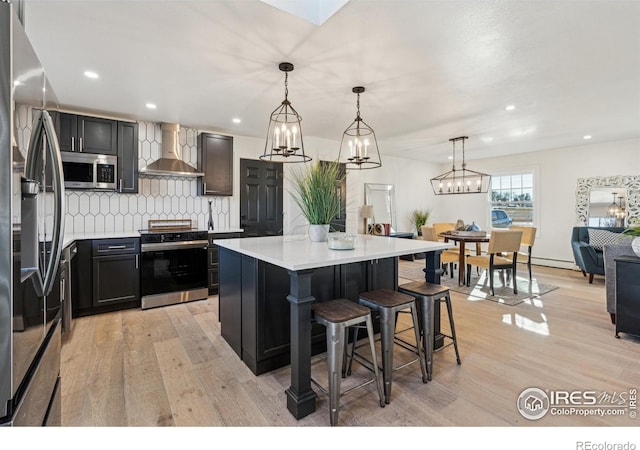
(173,269)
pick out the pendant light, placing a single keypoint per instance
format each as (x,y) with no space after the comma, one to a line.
(460,181)
(284,135)
(359,147)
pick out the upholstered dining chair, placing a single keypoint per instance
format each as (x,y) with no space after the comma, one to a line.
(500,242)
(441,227)
(449,256)
(528,238)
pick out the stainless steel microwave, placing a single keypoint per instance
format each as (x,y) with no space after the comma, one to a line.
(89,171)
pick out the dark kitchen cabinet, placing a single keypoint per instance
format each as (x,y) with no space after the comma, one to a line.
(87,134)
(116,271)
(128,157)
(628,295)
(215,160)
(212,259)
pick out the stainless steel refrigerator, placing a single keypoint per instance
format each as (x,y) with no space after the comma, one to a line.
(31,235)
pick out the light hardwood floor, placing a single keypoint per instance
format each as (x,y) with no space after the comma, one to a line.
(170,367)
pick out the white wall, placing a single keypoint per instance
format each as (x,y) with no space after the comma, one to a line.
(556,175)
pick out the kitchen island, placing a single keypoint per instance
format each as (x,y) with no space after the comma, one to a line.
(267,286)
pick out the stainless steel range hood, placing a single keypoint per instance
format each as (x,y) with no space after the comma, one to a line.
(170,162)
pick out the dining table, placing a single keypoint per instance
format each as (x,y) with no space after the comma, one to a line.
(461,239)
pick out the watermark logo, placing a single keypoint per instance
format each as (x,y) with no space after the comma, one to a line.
(534,403)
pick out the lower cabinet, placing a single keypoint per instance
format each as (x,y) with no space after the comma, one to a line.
(106,276)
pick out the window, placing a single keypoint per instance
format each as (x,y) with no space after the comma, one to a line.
(512,200)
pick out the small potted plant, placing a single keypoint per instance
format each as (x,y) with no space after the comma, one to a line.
(419,218)
(635,243)
(316,194)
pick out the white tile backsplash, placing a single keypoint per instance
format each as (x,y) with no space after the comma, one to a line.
(158,197)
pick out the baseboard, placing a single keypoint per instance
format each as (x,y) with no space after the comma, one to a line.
(556,263)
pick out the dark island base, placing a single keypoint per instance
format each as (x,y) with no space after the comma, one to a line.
(255,312)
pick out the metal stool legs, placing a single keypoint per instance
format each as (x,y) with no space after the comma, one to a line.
(336,332)
(388,308)
(427,295)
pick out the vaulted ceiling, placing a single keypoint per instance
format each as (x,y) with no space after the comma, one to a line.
(433,70)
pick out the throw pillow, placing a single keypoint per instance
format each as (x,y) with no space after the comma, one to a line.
(598,238)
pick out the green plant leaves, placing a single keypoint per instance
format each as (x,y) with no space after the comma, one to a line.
(316,191)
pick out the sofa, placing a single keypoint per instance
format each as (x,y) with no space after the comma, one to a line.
(588,255)
(611,252)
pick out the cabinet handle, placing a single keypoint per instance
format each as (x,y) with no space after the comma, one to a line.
(62,290)
(117,247)
(137,261)
(80,149)
(204,189)
(120,185)
(73,144)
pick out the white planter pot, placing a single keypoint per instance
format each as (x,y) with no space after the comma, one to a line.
(318,233)
(635,245)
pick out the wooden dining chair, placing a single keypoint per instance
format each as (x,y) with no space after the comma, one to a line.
(528,238)
(449,256)
(501,242)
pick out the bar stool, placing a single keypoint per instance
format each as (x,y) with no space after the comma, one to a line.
(388,303)
(337,315)
(426,295)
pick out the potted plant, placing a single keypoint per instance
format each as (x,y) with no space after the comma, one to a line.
(316,194)
(635,243)
(419,217)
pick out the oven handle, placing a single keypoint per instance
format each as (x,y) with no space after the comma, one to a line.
(156,247)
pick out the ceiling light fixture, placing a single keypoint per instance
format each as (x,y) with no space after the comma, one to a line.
(236,120)
(510,107)
(284,135)
(460,181)
(363,146)
(90,74)
(151,105)
(587,137)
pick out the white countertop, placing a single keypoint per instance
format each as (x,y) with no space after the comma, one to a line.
(299,253)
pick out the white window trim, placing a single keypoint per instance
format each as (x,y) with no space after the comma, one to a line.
(535,171)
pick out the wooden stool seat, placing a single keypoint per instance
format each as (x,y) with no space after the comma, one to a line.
(425,288)
(386,298)
(339,310)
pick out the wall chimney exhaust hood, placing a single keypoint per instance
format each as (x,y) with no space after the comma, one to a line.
(170,163)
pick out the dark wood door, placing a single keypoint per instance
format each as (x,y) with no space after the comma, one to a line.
(261,203)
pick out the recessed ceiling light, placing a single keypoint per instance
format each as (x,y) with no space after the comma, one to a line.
(510,107)
(588,136)
(151,105)
(236,120)
(90,74)
(449,157)
(487,139)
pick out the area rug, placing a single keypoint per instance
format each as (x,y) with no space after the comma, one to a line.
(479,285)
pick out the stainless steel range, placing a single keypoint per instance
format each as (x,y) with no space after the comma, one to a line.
(174,263)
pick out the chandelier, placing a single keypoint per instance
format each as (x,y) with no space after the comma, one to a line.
(284,135)
(616,210)
(363,152)
(460,181)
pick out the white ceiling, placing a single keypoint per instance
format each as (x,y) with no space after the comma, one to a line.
(433,70)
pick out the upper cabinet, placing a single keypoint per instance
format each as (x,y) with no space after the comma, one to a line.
(215,160)
(87,134)
(128,157)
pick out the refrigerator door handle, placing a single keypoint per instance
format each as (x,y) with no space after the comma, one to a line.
(44,136)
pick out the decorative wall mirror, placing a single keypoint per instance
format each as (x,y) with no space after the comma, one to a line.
(382,197)
(595,204)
